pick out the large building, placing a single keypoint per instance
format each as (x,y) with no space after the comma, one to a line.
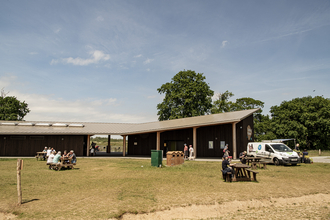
(208,134)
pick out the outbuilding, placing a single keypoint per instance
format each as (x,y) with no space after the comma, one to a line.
(208,134)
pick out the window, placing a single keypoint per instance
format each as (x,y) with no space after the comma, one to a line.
(210,144)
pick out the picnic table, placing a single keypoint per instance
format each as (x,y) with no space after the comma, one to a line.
(65,163)
(254,161)
(41,155)
(241,173)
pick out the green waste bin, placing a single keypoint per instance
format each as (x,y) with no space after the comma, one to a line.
(156,158)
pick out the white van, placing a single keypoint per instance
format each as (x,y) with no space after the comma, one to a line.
(277,152)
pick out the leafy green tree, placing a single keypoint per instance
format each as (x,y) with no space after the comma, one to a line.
(11,109)
(306,119)
(187,95)
(221,104)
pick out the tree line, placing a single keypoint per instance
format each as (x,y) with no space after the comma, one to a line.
(305,119)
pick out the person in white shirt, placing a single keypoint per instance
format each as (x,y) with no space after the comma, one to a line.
(191,153)
(50,158)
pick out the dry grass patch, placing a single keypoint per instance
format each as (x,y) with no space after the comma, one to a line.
(111,187)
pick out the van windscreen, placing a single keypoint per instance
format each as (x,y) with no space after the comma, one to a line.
(281,148)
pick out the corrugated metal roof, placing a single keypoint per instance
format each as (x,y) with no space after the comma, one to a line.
(89,128)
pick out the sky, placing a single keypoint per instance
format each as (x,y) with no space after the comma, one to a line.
(102,61)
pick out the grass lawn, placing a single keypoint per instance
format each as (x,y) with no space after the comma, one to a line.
(108,187)
(314,153)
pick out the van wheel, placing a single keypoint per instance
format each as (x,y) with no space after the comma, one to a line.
(276,162)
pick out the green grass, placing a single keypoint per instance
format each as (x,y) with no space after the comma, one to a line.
(110,187)
(314,153)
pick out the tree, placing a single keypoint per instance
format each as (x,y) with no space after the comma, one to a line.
(222,104)
(187,95)
(306,119)
(11,109)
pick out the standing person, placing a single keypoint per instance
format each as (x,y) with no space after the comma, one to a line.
(185,150)
(226,151)
(191,152)
(297,147)
(305,153)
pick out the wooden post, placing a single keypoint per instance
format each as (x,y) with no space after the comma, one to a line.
(319,152)
(158,141)
(19,189)
(124,145)
(195,141)
(234,140)
(109,144)
(88,144)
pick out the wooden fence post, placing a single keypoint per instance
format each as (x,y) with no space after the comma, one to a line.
(19,189)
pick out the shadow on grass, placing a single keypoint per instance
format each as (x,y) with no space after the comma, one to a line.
(27,201)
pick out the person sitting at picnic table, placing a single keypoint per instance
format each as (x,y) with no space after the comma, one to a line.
(45,153)
(57,158)
(72,156)
(53,150)
(226,166)
(50,158)
(305,153)
(65,154)
(242,156)
(49,151)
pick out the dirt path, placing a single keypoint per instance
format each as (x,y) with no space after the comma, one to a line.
(306,207)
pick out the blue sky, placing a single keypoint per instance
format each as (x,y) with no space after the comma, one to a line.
(102,61)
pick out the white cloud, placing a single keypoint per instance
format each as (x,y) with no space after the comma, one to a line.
(224,43)
(137,56)
(97,56)
(148,61)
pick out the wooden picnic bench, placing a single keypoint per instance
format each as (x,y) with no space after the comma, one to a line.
(254,174)
(227,176)
(40,155)
(264,163)
(62,164)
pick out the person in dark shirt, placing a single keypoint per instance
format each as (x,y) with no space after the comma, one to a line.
(242,157)
(226,166)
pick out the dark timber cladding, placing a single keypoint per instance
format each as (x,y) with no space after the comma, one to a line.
(28,145)
(142,144)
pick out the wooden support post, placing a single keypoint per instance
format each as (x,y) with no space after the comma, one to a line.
(19,189)
(158,141)
(109,144)
(319,152)
(195,141)
(234,140)
(124,145)
(88,144)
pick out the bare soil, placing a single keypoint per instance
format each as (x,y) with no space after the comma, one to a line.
(305,207)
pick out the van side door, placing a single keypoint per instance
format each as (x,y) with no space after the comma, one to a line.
(269,151)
